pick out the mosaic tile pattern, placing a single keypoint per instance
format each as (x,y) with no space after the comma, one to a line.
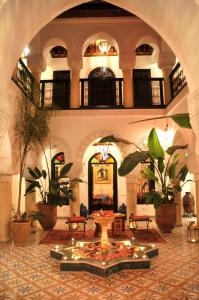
(30,273)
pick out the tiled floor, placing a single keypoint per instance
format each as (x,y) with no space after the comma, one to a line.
(30,273)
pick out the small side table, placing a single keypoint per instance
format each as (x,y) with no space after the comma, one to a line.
(144,218)
(73,223)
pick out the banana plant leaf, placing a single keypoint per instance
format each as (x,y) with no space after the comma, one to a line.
(183,120)
(113,139)
(65,170)
(131,161)
(155,149)
(172,149)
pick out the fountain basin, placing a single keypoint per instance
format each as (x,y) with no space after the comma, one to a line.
(90,256)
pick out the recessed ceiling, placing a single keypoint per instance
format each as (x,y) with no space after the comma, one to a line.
(95,8)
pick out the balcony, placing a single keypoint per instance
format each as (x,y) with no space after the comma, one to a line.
(103,93)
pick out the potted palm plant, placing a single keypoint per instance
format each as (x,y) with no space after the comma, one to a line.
(169,177)
(53,192)
(31,129)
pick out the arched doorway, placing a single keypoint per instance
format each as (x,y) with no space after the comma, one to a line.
(102,183)
(101,87)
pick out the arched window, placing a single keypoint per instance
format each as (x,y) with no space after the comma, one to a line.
(57,163)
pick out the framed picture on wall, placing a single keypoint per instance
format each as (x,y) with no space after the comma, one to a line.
(102,173)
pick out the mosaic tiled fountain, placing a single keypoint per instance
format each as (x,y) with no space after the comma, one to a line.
(103,257)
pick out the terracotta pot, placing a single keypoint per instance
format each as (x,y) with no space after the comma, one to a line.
(20,232)
(188,203)
(166,217)
(49,219)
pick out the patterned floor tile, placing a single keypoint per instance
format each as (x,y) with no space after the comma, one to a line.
(29,273)
(39,296)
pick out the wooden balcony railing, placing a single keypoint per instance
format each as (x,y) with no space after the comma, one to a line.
(23,79)
(177,80)
(55,93)
(148,92)
(102,93)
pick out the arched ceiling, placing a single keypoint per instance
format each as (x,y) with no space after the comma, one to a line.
(176,21)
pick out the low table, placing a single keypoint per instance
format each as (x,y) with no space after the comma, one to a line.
(143,218)
(76,220)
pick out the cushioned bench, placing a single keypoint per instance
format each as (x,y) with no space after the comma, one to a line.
(143,218)
(73,224)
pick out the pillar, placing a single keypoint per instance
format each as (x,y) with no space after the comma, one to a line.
(75,63)
(178,201)
(166,61)
(5,206)
(166,69)
(37,64)
(131,195)
(75,89)
(5,167)
(75,205)
(128,88)
(127,62)
(196,177)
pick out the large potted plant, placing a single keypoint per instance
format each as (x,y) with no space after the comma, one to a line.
(53,192)
(169,177)
(31,129)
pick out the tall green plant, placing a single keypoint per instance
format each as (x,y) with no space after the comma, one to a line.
(57,191)
(168,176)
(31,129)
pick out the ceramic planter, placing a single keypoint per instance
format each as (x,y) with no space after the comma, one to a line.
(165,217)
(49,212)
(20,232)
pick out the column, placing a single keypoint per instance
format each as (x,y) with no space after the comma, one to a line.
(196,177)
(75,205)
(75,89)
(166,69)
(37,64)
(5,166)
(5,206)
(131,195)
(127,62)
(75,63)
(178,201)
(128,88)
(166,61)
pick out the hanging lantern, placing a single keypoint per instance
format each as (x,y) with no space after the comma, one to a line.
(193,233)
(104,149)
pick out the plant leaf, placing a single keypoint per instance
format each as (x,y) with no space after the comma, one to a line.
(172,149)
(131,161)
(113,139)
(172,171)
(33,173)
(65,170)
(183,173)
(38,172)
(155,149)
(32,186)
(44,174)
(161,165)
(182,120)
(109,139)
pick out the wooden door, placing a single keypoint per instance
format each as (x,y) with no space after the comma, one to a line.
(142,88)
(61,89)
(101,87)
